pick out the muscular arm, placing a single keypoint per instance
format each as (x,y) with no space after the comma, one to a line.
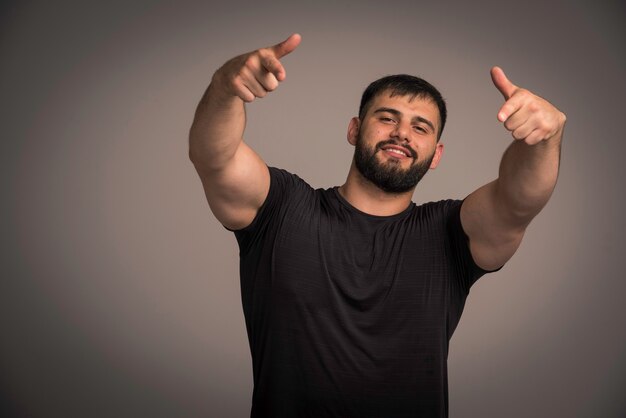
(496,215)
(234,177)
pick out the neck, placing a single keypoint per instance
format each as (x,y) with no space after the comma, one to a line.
(369,198)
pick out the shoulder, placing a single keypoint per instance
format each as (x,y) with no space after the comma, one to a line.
(286,190)
(284,183)
(442,210)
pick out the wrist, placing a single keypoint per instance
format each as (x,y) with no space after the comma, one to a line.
(218,94)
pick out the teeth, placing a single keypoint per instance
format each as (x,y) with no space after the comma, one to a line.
(396,151)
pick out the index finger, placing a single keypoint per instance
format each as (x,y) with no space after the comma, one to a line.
(510,107)
(273,65)
(287,46)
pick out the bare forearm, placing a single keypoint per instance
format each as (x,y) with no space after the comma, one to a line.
(235,178)
(527,177)
(496,215)
(530,166)
(217,129)
(220,119)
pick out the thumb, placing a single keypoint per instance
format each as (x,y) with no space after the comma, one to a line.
(286,46)
(502,83)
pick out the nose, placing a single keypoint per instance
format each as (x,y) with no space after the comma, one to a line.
(401,132)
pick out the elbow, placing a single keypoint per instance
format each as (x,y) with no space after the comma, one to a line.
(197,152)
(192,156)
(201,163)
(192,144)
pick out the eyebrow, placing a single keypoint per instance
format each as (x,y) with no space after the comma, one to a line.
(396,112)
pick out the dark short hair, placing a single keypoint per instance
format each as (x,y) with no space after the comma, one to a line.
(404,85)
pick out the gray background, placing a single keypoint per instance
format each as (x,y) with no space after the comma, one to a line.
(119,291)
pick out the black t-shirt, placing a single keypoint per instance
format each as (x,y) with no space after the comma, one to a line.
(350,314)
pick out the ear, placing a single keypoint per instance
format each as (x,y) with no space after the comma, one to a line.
(437,156)
(353,130)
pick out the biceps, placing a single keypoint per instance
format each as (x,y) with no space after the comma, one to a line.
(237,191)
(493,235)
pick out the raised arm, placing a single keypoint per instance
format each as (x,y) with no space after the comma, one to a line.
(496,215)
(234,177)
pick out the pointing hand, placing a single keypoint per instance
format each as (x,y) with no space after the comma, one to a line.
(527,116)
(256,73)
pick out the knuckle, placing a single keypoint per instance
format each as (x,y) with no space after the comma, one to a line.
(233,78)
(273,65)
(533,106)
(250,61)
(234,82)
(239,84)
(525,97)
(545,126)
(268,64)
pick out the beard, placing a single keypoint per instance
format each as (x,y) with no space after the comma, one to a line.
(389,176)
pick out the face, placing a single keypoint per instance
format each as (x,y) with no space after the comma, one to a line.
(396,142)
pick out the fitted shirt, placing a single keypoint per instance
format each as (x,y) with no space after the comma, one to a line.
(350,314)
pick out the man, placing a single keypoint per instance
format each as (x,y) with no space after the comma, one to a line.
(351,294)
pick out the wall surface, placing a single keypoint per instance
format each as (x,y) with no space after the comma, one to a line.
(119,294)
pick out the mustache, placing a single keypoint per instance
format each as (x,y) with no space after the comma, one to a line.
(410,150)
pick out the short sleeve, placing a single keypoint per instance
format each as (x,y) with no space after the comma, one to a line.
(283,187)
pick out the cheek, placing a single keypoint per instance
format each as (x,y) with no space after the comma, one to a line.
(382,134)
(373,136)
(424,150)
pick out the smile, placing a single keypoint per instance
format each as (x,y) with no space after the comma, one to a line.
(396,151)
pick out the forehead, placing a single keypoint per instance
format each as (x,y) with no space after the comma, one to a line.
(408,105)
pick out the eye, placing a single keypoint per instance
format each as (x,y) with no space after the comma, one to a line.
(419,129)
(387,119)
